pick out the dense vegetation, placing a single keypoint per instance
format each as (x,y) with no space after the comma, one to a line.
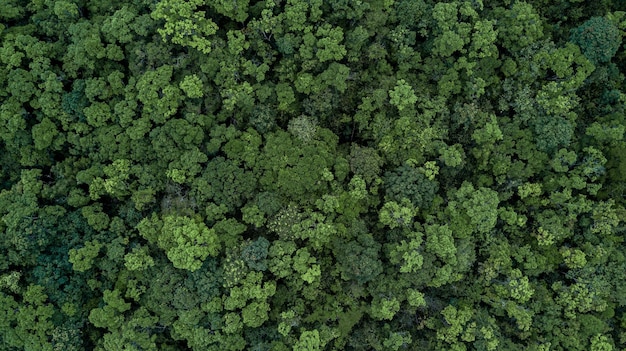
(312,175)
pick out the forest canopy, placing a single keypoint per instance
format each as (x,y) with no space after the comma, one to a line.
(312,175)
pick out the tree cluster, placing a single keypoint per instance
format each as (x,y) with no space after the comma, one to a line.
(312,175)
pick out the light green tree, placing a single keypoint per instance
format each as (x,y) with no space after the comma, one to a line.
(187,242)
(309,341)
(192,86)
(402,95)
(184,25)
(82,259)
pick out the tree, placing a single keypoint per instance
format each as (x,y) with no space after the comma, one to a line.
(160,99)
(365,162)
(454,34)
(281,260)
(294,169)
(82,259)
(184,25)
(303,128)
(186,241)
(473,210)
(409,182)
(519,26)
(309,341)
(250,296)
(316,228)
(27,324)
(359,259)
(601,343)
(95,216)
(407,253)
(384,308)
(305,264)
(44,134)
(11,10)
(397,215)
(85,49)
(117,28)
(307,174)
(192,86)
(598,38)
(224,182)
(552,133)
(439,241)
(456,325)
(138,259)
(328,44)
(237,10)
(402,96)
(255,253)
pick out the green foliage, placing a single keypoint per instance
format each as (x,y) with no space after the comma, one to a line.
(408,182)
(82,259)
(138,259)
(397,215)
(359,260)
(328,44)
(9,281)
(407,253)
(455,34)
(439,241)
(365,162)
(160,99)
(309,341)
(384,309)
(27,324)
(96,218)
(186,241)
(553,133)
(519,26)
(224,182)
(476,207)
(184,25)
(237,10)
(598,38)
(44,133)
(118,27)
(303,128)
(402,96)
(11,10)
(281,258)
(255,253)
(312,175)
(192,86)
(305,264)
(456,320)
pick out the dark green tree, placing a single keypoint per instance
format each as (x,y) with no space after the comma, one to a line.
(359,259)
(598,38)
